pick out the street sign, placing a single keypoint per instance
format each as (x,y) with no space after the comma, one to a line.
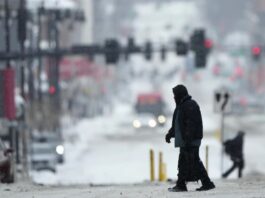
(222,105)
(222,101)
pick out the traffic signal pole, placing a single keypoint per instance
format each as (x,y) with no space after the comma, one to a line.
(222,140)
(54,70)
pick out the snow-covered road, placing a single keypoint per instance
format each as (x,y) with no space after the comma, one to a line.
(109,151)
(250,187)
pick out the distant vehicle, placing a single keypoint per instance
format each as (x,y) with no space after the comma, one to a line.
(46,151)
(151,103)
(43,157)
(248,104)
(145,120)
(55,141)
(6,174)
(59,149)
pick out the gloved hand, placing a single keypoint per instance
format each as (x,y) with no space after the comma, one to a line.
(167,138)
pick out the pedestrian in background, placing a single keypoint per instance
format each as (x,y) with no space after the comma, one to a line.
(234,148)
(187,129)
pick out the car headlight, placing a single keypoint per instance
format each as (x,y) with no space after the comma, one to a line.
(152,123)
(60,149)
(161,119)
(136,124)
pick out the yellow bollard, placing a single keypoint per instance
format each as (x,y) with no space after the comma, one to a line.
(160,166)
(164,172)
(207,157)
(217,134)
(152,166)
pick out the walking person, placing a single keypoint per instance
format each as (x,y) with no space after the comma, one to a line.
(187,129)
(234,148)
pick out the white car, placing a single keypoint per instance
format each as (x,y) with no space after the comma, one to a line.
(43,156)
(54,140)
(44,152)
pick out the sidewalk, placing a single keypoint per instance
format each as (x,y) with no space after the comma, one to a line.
(248,187)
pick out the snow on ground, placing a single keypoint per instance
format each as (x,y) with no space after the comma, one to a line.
(250,187)
(107,150)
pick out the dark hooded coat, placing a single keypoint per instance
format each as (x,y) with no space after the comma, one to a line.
(234,147)
(189,119)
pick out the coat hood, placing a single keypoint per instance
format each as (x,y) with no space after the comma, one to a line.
(180,92)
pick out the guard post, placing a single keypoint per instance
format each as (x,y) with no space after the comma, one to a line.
(152,166)
(207,158)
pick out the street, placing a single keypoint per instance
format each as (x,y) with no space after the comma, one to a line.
(249,187)
(91,159)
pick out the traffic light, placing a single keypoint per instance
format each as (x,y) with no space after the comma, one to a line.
(208,44)
(112,51)
(201,47)
(148,50)
(181,47)
(52,90)
(201,58)
(130,48)
(256,53)
(22,17)
(163,52)
(53,75)
(197,40)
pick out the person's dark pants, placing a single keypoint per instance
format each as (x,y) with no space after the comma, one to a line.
(236,164)
(191,167)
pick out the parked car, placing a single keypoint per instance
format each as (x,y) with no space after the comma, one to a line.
(6,171)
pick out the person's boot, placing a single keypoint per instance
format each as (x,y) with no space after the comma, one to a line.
(179,187)
(206,186)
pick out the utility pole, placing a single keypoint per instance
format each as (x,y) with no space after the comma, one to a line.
(40,17)
(57,70)
(22,35)
(57,58)
(12,131)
